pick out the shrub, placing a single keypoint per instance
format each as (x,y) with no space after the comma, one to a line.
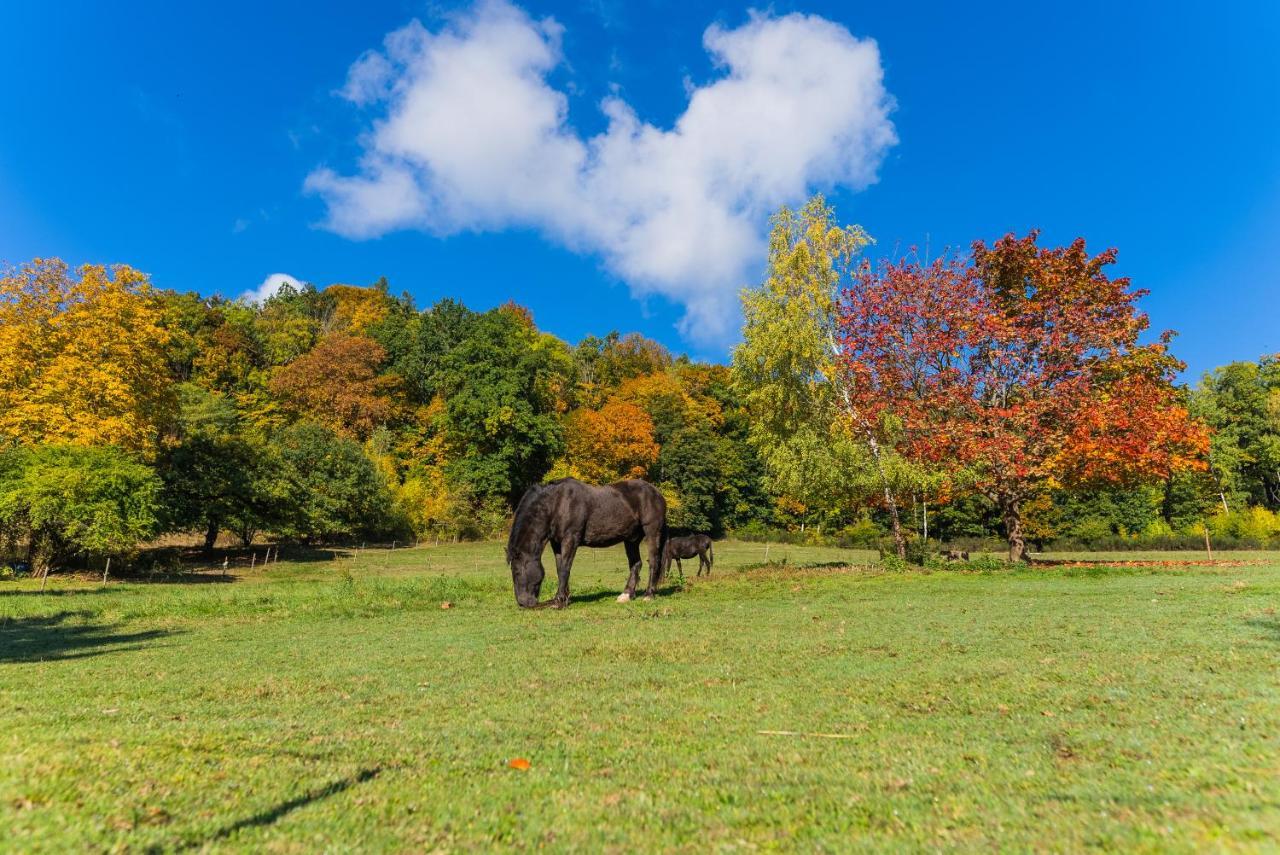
(988,564)
(1251,524)
(891,563)
(75,502)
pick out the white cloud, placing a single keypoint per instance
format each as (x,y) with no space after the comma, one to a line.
(269,287)
(470,135)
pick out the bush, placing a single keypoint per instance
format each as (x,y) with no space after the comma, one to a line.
(328,488)
(987,564)
(1251,524)
(1090,529)
(73,502)
(864,533)
(891,563)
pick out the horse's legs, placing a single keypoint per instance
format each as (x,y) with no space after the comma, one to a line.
(633,570)
(655,562)
(564,551)
(703,560)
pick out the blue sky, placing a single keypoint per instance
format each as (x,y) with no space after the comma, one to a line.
(214,146)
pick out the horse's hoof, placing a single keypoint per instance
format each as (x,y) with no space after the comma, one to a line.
(624,597)
(648,597)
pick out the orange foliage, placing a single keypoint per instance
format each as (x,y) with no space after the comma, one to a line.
(611,443)
(519,312)
(665,392)
(337,384)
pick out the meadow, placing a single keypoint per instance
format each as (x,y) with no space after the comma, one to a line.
(800,698)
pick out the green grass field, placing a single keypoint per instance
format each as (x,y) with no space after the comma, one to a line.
(820,705)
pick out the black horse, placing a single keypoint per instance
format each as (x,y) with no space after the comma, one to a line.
(687,547)
(570,514)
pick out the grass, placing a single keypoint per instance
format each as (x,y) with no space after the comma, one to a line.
(332,705)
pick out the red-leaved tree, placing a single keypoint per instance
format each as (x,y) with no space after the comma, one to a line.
(1017,369)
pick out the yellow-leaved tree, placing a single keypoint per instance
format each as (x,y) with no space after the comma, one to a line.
(82,358)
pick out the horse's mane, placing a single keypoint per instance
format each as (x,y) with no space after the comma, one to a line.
(530,518)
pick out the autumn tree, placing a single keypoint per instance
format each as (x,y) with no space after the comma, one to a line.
(82,357)
(604,364)
(818,443)
(228,360)
(354,310)
(1022,366)
(338,384)
(610,444)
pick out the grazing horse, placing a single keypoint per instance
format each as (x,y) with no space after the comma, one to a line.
(687,547)
(570,514)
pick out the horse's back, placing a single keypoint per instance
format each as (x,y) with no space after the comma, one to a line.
(600,515)
(625,510)
(687,546)
(641,495)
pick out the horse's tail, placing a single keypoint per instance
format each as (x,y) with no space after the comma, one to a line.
(711,554)
(530,516)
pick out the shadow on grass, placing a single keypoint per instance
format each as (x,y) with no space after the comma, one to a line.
(1269,626)
(54,592)
(196,577)
(664,590)
(274,813)
(46,638)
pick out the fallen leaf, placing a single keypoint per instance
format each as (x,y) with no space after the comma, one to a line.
(446,605)
(1047,713)
(519,763)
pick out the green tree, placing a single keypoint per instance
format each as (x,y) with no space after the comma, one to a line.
(290,321)
(693,464)
(216,475)
(328,487)
(500,417)
(418,345)
(1241,403)
(72,502)
(816,448)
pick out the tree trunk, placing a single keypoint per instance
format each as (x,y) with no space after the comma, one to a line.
(1013,528)
(899,541)
(211,535)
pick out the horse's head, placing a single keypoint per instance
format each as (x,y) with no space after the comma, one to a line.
(526,577)
(524,547)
